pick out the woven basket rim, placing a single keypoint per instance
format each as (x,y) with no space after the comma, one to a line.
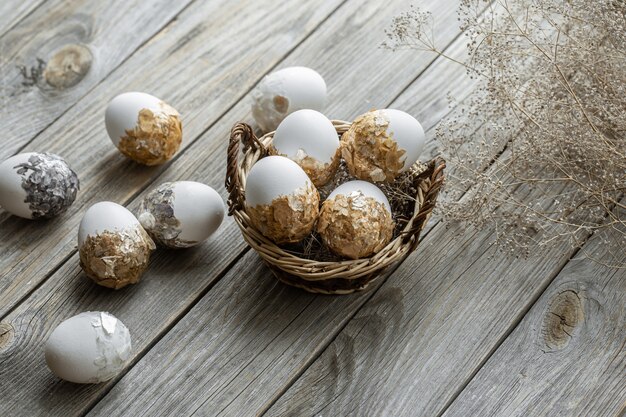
(428,184)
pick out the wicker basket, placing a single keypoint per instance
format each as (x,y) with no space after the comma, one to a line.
(340,277)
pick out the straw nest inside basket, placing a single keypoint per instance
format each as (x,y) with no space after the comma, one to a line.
(401,195)
(309,264)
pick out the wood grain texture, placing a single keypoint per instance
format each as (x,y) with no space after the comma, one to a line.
(12,11)
(42,78)
(195,67)
(567,357)
(229,367)
(68,291)
(446,308)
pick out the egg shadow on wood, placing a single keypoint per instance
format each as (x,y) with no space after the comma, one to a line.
(54,392)
(14,228)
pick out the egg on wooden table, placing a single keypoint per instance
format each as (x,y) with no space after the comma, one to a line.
(37,185)
(381,144)
(309,139)
(281,200)
(143,127)
(88,348)
(285,91)
(181,214)
(114,248)
(355,220)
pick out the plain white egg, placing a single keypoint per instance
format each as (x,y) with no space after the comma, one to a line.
(37,185)
(90,347)
(181,214)
(309,138)
(285,91)
(143,127)
(366,188)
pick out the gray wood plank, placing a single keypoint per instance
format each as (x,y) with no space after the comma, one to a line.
(426,331)
(201,65)
(231,355)
(106,32)
(12,11)
(567,357)
(176,279)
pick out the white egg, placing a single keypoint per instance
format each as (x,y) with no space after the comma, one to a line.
(37,185)
(143,127)
(285,91)
(114,248)
(381,144)
(308,138)
(356,220)
(181,214)
(281,200)
(88,348)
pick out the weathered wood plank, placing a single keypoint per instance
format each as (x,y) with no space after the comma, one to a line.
(68,292)
(426,331)
(103,34)
(12,11)
(234,353)
(197,66)
(567,357)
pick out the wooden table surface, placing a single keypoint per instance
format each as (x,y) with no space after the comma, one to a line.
(456,330)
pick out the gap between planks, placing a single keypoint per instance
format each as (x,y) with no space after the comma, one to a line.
(145,176)
(139,191)
(370,294)
(247,248)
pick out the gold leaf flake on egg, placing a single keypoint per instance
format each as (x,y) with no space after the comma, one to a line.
(355,225)
(116,259)
(370,153)
(319,173)
(155,138)
(287,219)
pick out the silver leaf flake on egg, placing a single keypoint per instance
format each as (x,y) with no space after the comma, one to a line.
(157,217)
(50,184)
(111,356)
(355,225)
(285,91)
(116,259)
(181,214)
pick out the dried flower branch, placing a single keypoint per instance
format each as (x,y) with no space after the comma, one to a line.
(541,142)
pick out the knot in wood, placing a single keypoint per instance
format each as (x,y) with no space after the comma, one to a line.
(7,332)
(565,313)
(68,66)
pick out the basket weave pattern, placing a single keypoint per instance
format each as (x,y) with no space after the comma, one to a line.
(340,277)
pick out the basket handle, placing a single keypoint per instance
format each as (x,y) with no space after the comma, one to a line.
(241,132)
(436,177)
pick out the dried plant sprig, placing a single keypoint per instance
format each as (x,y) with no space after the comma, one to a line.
(541,141)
